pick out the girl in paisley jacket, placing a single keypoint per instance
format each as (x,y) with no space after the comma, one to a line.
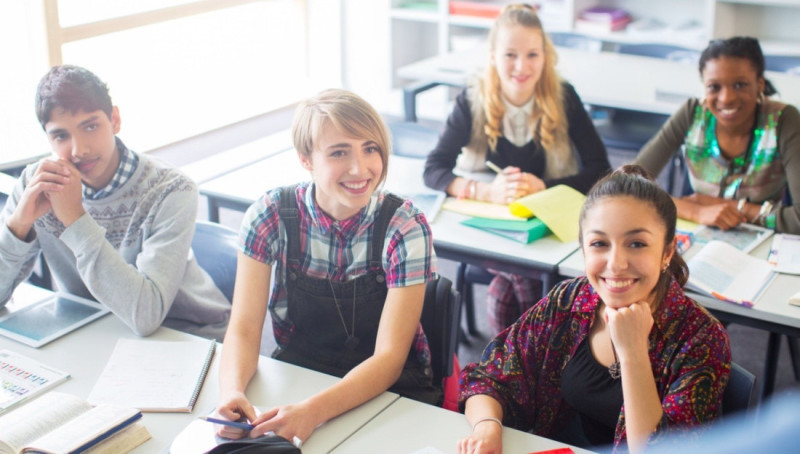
(620,354)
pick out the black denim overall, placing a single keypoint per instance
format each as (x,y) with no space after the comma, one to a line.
(330,340)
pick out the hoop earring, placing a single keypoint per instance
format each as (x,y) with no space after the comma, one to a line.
(761,98)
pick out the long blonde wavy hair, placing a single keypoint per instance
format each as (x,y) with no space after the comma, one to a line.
(548,120)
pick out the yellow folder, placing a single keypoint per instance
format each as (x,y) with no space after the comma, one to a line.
(558,207)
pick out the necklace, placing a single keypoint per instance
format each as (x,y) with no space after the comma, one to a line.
(352,341)
(615,370)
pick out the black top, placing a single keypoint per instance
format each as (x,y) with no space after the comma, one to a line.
(530,157)
(589,389)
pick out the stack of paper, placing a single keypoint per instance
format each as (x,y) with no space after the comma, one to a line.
(784,254)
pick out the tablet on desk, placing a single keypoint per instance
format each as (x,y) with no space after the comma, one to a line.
(50,318)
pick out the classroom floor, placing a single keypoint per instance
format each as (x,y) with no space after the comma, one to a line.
(748,345)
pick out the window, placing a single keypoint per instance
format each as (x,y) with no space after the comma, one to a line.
(177,68)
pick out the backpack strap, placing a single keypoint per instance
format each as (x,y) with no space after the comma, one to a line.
(390,205)
(290,215)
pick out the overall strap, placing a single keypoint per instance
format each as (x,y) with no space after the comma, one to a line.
(290,215)
(390,204)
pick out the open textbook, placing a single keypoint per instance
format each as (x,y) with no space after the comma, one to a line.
(60,423)
(726,273)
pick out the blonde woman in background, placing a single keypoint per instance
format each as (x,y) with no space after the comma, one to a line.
(523,118)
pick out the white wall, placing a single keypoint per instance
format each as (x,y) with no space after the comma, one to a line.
(365,52)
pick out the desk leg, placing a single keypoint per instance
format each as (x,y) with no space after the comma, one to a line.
(410,105)
(410,98)
(213,210)
(771,364)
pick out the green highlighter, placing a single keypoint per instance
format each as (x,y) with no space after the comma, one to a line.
(522,231)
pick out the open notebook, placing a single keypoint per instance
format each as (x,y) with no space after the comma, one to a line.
(154,376)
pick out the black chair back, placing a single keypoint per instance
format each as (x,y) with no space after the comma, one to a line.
(441,313)
(740,391)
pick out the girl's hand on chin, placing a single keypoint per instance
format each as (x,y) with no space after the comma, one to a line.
(629,328)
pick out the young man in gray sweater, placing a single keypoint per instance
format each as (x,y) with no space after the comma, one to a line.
(113,225)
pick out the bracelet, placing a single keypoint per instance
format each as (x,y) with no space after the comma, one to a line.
(763,212)
(740,205)
(465,190)
(473,189)
(488,418)
(766,208)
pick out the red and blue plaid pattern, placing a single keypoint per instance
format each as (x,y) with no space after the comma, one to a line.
(338,249)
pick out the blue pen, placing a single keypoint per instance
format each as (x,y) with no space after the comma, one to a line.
(225,422)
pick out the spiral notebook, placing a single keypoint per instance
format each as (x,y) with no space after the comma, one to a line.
(154,376)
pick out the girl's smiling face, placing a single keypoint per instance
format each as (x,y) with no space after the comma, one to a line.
(732,87)
(624,251)
(518,56)
(346,171)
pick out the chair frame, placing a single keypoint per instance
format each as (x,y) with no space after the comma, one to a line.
(441,314)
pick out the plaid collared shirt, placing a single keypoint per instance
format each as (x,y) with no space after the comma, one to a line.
(128,161)
(338,249)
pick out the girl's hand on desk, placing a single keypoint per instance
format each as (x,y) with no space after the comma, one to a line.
(526,183)
(512,184)
(292,422)
(233,408)
(721,215)
(485,439)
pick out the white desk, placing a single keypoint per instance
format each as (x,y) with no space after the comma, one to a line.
(452,240)
(771,312)
(408,426)
(7,183)
(20,157)
(84,353)
(601,78)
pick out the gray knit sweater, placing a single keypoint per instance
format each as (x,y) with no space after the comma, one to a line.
(131,251)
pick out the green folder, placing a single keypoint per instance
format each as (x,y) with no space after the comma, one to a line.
(522,232)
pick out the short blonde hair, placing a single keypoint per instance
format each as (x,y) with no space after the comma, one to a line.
(345,111)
